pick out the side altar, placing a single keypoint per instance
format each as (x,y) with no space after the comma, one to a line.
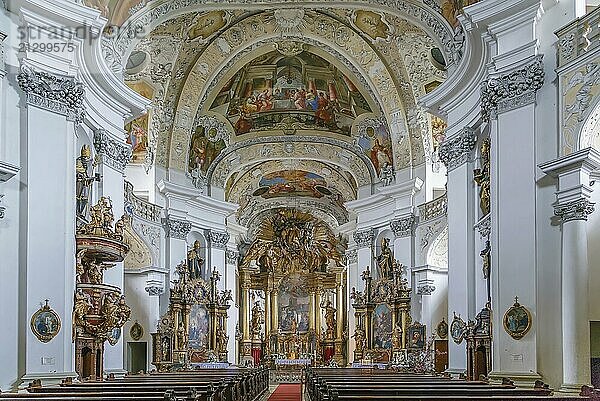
(193,332)
(385,332)
(292,286)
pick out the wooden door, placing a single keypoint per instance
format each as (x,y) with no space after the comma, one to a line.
(441,355)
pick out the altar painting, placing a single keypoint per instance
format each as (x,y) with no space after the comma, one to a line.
(293,305)
(377,146)
(382,327)
(198,330)
(291,88)
(292,183)
(203,151)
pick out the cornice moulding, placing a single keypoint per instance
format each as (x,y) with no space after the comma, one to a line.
(7,171)
(588,158)
(391,193)
(191,195)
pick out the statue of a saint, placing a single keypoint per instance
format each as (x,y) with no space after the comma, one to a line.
(397,338)
(359,339)
(486,258)
(329,319)
(83,182)
(222,339)
(385,261)
(195,262)
(257,319)
(482,178)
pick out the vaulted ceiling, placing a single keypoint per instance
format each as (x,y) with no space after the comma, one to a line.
(283,104)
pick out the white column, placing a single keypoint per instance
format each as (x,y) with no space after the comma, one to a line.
(114,155)
(49,248)
(230,282)
(455,152)
(176,231)
(404,230)
(352,280)
(513,213)
(218,243)
(573,207)
(364,241)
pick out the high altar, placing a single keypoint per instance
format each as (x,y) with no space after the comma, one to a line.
(292,281)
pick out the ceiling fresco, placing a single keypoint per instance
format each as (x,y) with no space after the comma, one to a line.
(290,86)
(261,100)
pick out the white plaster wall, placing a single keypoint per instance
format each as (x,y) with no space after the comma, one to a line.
(143,310)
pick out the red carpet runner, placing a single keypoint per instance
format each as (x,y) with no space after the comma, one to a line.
(286,392)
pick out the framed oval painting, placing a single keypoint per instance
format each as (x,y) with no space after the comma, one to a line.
(457,329)
(442,329)
(136,332)
(45,323)
(517,320)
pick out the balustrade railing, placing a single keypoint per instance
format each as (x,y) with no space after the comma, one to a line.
(141,207)
(433,209)
(579,37)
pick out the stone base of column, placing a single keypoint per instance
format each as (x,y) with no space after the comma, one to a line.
(521,379)
(570,389)
(117,373)
(456,373)
(47,378)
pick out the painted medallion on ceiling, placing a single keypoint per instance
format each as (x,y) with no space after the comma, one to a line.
(292,183)
(290,88)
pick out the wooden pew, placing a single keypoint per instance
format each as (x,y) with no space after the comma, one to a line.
(358,384)
(206,385)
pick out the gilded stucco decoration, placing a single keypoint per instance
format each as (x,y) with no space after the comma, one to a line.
(290,241)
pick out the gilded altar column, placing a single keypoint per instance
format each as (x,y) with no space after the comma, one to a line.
(268,323)
(339,296)
(573,206)
(274,308)
(312,309)
(318,328)
(245,306)
(246,310)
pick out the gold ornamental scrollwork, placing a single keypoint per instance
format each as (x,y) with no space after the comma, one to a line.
(293,241)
